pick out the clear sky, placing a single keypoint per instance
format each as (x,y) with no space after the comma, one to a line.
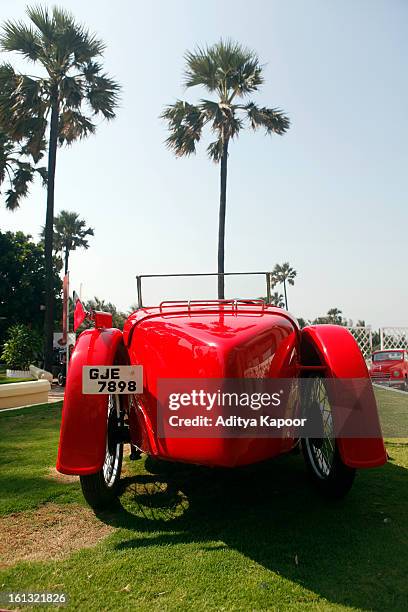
(330,197)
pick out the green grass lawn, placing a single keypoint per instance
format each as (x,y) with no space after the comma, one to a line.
(393,411)
(187,538)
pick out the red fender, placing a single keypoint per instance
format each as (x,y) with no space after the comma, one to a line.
(336,348)
(82,443)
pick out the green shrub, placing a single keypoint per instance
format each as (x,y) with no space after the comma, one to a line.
(22,347)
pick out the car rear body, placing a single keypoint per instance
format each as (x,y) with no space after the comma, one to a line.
(216,340)
(245,340)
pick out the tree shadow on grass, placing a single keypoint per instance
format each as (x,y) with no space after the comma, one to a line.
(20,492)
(352,552)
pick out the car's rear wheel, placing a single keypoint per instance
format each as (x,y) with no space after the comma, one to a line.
(101,489)
(324,464)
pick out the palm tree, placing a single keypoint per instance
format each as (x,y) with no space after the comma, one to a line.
(70,234)
(58,107)
(231,72)
(335,315)
(283,273)
(277,299)
(17,169)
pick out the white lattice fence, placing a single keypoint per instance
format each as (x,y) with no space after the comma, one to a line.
(364,339)
(393,337)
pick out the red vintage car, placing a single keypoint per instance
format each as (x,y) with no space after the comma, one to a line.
(243,342)
(390,367)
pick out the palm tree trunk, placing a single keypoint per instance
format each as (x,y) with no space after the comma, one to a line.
(49,235)
(286,297)
(221,223)
(66,260)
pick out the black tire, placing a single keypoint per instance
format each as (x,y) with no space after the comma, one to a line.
(101,489)
(326,470)
(61,380)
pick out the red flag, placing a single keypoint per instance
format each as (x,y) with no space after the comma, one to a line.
(79,312)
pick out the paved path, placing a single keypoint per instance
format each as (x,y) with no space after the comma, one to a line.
(56,394)
(387,388)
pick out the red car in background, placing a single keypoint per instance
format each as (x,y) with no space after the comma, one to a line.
(390,367)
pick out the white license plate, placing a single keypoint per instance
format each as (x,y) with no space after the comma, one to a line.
(112,380)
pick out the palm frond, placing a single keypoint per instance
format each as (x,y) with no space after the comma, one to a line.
(238,67)
(247,78)
(42,171)
(215,112)
(16,36)
(90,70)
(185,123)
(234,125)
(42,20)
(23,175)
(74,39)
(35,143)
(23,103)
(200,70)
(272,119)
(62,43)
(180,112)
(224,117)
(182,141)
(74,126)
(12,200)
(16,170)
(103,95)
(6,150)
(18,91)
(277,299)
(229,55)
(29,93)
(71,91)
(226,67)
(7,73)
(215,150)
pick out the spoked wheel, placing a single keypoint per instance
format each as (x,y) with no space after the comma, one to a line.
(100,490)
(323,461)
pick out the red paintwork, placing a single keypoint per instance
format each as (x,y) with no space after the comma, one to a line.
(102,319)
(83,429)
(385,371)
(210,345)
(212,341)
(339,351)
